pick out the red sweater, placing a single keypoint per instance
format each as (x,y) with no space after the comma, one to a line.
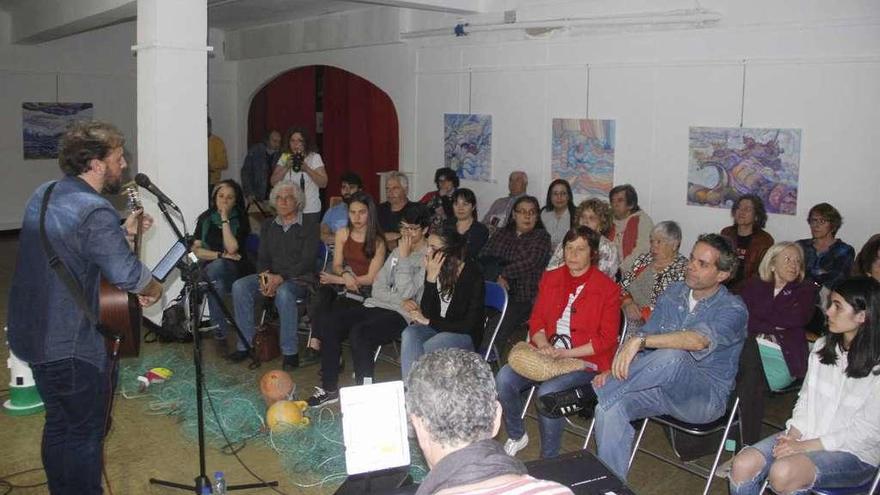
(595,315)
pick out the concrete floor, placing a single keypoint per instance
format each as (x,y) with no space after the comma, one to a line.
(142,446)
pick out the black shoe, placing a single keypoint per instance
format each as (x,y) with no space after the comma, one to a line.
(237,356)
(290,362)
(221,346)
(322,397)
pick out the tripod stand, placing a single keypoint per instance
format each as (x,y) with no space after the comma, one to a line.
(195,287)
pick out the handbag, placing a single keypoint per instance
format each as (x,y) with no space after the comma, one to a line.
(267,343)
(529,363)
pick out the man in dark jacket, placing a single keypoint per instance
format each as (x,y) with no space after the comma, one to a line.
(258,165)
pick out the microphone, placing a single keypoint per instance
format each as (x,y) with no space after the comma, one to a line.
(145,182)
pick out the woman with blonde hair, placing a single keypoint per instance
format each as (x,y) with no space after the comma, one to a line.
(595,214)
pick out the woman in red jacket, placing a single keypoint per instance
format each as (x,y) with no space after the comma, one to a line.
(576,315)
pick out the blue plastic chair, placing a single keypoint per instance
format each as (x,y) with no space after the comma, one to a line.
(496,299)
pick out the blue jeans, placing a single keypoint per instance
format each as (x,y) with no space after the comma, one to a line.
(422,339)
(510,388)
(244,294)
(664,381)
(834,469)
(75,394)
(222,273)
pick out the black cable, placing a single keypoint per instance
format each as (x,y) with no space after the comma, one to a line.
(5,483)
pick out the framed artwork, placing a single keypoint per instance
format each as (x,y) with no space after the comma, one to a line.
(43,124)
(583,154)
(467,145)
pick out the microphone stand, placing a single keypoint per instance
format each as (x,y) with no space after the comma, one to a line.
(195,287)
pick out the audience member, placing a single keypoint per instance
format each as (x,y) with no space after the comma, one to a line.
(464,208)
(218,243)
(257,167)
(868,261)
(217,162)
(515,257)
(358,254)
(392,210)
(498,214)
(287,252)
(576,315)
(631,226)
(301,164)
(595,214)
(450,398)
(696,333)
(652,273)
(450,313)
(336,217)
(383,315)
(439,201)
(558,215)
(748,237)
(780,303)
(833,437)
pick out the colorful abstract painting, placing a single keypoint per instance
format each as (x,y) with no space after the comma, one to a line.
(468,145)
(727,162)
(44,123)
(583,154)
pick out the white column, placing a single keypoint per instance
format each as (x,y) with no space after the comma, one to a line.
(172,96)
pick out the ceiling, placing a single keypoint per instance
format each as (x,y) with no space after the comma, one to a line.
(235,14)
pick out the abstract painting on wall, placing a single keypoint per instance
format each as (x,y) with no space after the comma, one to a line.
(727,162)
(43,124)
(583,154)
(467,145)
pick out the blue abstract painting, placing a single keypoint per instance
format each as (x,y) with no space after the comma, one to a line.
(727,162)
(43,124)
(583,154)
(468,145)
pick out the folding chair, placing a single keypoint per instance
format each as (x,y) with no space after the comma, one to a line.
(496,299)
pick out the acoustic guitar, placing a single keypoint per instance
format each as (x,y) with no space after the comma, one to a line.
(120,311)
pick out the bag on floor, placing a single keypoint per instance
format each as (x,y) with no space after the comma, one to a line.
(267,344)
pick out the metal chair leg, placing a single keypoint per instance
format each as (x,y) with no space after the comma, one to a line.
(638,441)
(525,408)
(589,433)
(733,414)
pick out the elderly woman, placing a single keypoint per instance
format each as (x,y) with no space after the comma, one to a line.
(747,236)
(868,261)
(595,214)
(218,243)
(780,303)
(577,304)
(652,273)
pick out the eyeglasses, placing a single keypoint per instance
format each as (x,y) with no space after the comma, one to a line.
(526,213)
(817,221)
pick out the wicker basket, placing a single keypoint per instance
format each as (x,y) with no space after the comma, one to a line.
(531,364)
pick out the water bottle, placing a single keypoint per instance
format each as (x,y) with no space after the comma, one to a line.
(206,490)
(219,483)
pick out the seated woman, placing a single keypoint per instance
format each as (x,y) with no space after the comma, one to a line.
(833,436)
(868,260)
(595,214)
(451,310)
(220,235)
(780,303)
(652,273)
(515,257)
(558,215)
(358,254)
(577,303)
(747,236)
(464,219)
(439,201)
(383,315)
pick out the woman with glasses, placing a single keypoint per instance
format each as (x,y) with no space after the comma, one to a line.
(515,257)
(780,303)
(464,219)
(558,214)
(450,313)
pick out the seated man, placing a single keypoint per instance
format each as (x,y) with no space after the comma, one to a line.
(396,204)
(696,332)
(337,217)
(451,401)
(497,214)
(286,252)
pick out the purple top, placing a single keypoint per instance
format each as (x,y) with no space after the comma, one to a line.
(783,316)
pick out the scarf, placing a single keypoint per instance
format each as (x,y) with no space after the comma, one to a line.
(214,220)
(630,234)
(477,462)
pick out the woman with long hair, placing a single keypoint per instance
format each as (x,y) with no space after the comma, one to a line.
(748,237)
(868,260)
(301,164)
(219,240)
(595,214)
(450,313)
(833,437)
(558,214)
(358,254)
(464,219)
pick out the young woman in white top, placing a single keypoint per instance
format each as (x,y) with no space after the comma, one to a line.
(302,165)
(833,436)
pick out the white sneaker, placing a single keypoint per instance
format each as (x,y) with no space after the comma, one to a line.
(512,446)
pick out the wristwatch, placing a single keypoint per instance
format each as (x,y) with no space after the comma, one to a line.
(642,339)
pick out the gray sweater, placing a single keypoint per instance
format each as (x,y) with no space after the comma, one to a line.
(398,280)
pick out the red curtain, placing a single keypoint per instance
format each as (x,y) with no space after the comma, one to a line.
(287,101)
(360,130)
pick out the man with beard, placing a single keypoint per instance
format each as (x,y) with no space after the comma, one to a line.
(336,217)
(47,327)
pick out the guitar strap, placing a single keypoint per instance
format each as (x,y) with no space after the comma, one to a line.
(64,274)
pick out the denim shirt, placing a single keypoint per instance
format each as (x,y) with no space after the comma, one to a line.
(722,318)
(45,323)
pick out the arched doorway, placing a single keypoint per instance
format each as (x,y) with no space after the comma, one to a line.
(354,122)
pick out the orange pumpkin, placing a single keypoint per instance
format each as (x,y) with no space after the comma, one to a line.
(285,414)
(276,385)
